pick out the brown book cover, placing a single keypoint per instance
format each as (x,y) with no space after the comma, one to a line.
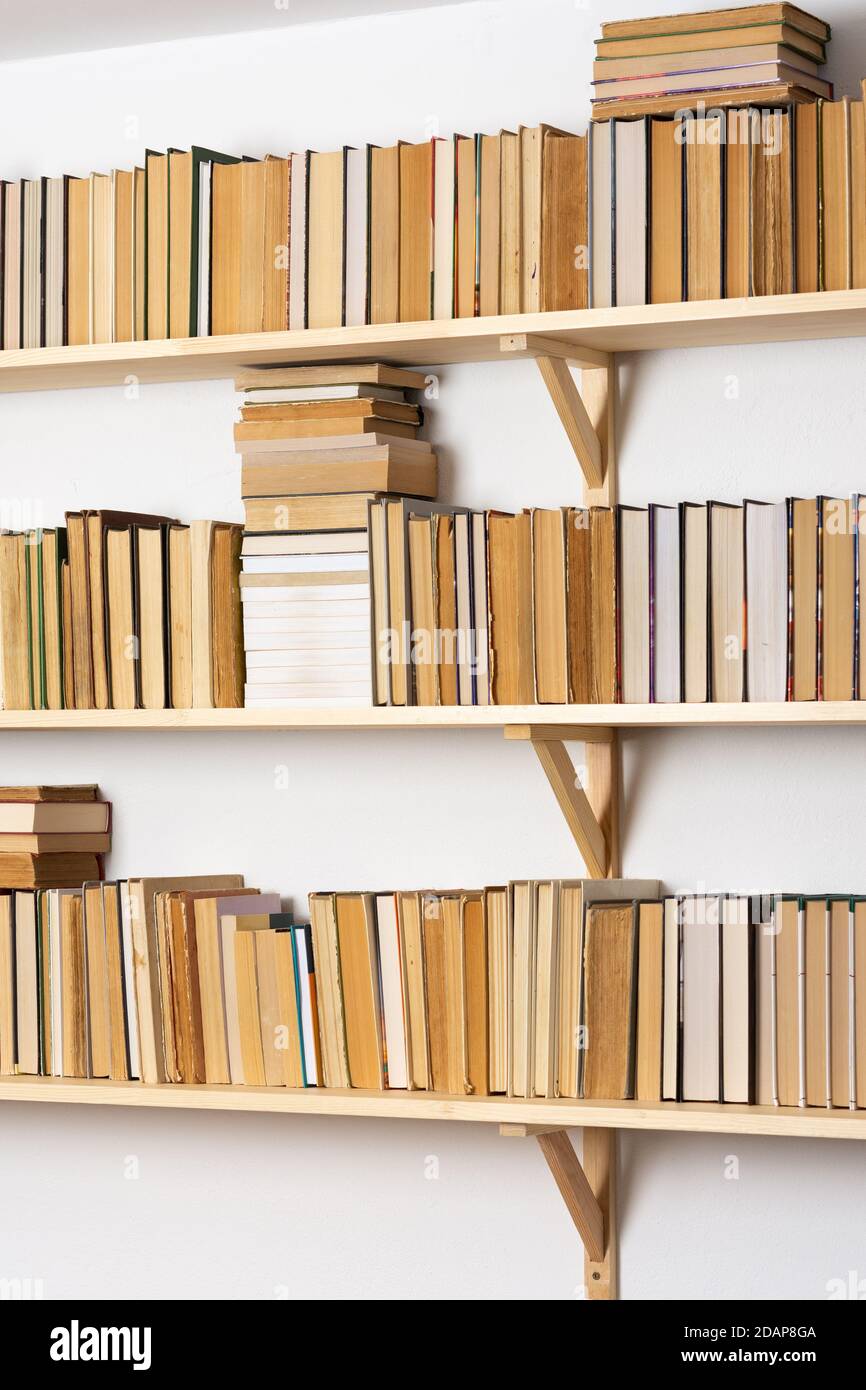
(512,648)
(416,232)
(704,168)
(666,213)
(806,205)
(608,1015)
(360,975)
(771,213)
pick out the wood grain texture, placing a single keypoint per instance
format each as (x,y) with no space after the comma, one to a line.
(575,1190)
(574,805)
(574,417)
(599,1165)
(768,319)
(421,1105)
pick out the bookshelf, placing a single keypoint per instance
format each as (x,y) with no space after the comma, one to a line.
(532,1115)
(588,340)
(585,336)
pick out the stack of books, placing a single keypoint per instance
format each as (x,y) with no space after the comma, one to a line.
(770,54)
(51,837)
(319,446)
(597,990)
(196,242)
(119,610)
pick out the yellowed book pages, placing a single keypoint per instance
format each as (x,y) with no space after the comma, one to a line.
(122,643)
(157,245)
(77,262)
(466,304)
(608,990)
(293,1067)
(7,988)
(531,146)
(209,954)
(550,615)
(817,968)
(101,259)
(73,986)
(546,988)
(421,573)
(455,997)
(476,984)
(839,532)
(226,201)
(859,1003)
(274,1027)
(489,225)
(275,248)
(648,1067)
(788,1002)
(151,616)
(124,246)
(834,121)
(52,621)
(325,248)
(201,542)
(840,1017)
(496,912)
(411,938)
(248,1008)
(356,932)
(96,578)
(171,1042)
(416,232)
(117,1004)
(510,222)
(326,955)
(139,255)
(180,175)
(97,981)
(14,648)
(385,234)
(180,615)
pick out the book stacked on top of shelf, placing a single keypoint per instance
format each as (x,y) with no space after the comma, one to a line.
(770,54)
(319,446)
(51,837)
(121,610)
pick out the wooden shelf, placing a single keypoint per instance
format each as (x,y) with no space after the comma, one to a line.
(418,1105)
(585,336)
(520,721)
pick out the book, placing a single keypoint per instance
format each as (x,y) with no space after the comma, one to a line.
(666,182)
(701,957)
(766,539)
(633,589)
(726,601)
(609,1001)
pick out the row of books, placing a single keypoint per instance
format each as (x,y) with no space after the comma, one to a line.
(728,204)
(121,610)
(690,603)
(767,53)
(650,210)
(196,242)
(52,836)
(314,443)
(600,990)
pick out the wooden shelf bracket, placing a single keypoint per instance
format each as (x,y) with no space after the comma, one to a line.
(575,419)
(589,1191)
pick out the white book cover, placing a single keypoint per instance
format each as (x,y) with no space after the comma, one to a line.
(298,702)
(55,981)
(205,181)
(630,160)
(306,564)
(634,609)
(130,1007)
(305,594)
(701,997)
(766,599)
(313,673)
(665,655)
(391,981)
(303,948)
(600,213)
(305,395)
(671,967)
(309,656)
(736,1013)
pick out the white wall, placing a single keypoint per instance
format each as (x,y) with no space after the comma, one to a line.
(240,1206)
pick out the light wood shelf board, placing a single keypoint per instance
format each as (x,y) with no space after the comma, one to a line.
(590,332)
(417,1105)
(561,718)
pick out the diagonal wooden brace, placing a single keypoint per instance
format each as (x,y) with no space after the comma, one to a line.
(576,1191)
(575,418)
(575,805)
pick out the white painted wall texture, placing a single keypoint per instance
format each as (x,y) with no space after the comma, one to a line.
(262,1207)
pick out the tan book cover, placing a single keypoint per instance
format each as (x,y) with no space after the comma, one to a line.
(650,988)
(356,934)
(610,960)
